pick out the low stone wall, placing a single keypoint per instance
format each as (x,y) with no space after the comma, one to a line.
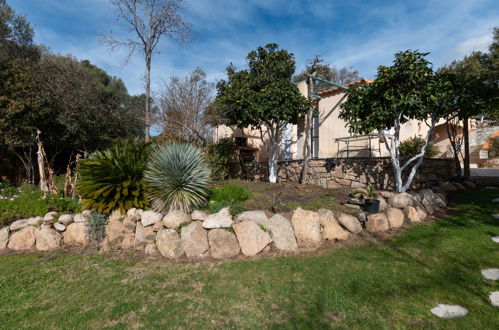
(348,172)
(220,235)
(488,163)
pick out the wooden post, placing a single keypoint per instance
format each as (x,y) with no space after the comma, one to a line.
(466,149)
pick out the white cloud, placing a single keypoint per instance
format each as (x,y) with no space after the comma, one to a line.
(480,43)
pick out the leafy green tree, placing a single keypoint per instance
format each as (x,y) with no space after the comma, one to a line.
(406,90)
(264,97)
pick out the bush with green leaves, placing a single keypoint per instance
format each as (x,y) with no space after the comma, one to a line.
(114,178)
(178,177)
(220,155)
(96,227)
(412,147)
(231,193)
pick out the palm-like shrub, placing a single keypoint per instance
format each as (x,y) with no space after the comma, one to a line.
(178,177)
(113,178)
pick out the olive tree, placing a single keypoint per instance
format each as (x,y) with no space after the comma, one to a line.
(406,90)
(263,97)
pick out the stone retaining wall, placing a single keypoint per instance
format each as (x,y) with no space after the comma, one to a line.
(348,172)
(488,163)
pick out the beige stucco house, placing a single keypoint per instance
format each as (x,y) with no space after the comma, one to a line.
(329,135)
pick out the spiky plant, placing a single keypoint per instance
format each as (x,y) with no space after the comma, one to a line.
(178,177)
(113,178)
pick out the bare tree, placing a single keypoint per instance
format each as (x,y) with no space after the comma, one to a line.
(149,20)
(182,109)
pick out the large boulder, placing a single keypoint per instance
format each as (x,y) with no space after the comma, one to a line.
(144,234)
(149,218)
(175,219)
(307,227)
(195,240)
(282,233)
(66,219)
(19,224)
(400,200)
(221,219)
(223,244)
(383,205)
(59,226)
(331,229)
(252,237)
(412,214)
(115,230)
(169,243)
(198,215)
(134,214)
(4,237)
(80,217)
(151,249)
(75,234)
(128,242)
(395,217)
(23,239)
(35,221)
(431,201)
(422,213)
(350,222)
(255,216)
(428,205)
(377,223)
(47,238)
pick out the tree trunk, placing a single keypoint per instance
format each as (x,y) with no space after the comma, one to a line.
(452,134)
(147,113)
(273,163)
(308,133)
(466,149)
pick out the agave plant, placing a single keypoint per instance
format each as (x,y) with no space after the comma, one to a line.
(113,178)
(178,177)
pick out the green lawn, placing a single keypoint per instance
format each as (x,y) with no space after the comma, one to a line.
(393,284)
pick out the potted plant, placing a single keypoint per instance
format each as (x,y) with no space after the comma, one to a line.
(371,204)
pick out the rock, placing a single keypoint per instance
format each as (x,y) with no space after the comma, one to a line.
(86,213)
(251,237)
(134,214)
(19,224)
(385,193)
(175,219)
(150,218)
(495,216)
(449,186)
(105,246)
(157,226)
(50,216)
(416,199)
(195,240)
(47,238)
(144,234)
(115,230)
(199,215)
(491,274)
(395,217)
(429,207)
(362,217)
(350,222)
(169,243)
(358,193)
(256,216)
(383,205)
(128,242)
(59,226)
(469,184)
(116,215)
(331,229)
(80,218)
(494,298)
(306,225)
(4,237)
(495,200)
(412,214)
(221,219)
(130,222)
(34,221)
(491,188)
(23,239)
(422,213)
(223,244)
(449,311)
(66,219)
(75,234)
(282,233)
(495,239)
(400,200)
(151,249)
(377,223)
(440,200)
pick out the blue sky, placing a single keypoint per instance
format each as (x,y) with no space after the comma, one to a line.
(360,34)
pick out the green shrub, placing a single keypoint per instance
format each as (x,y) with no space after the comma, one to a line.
(113,178)
(29,201)
(96,227)
(220,155)
(234,209)
(178,177)
(230,193)
(494,147)
(412,146)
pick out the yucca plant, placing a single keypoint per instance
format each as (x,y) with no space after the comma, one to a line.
(113,178)
(178,177)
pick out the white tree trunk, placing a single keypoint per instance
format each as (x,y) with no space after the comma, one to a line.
(148,96)
(272,148)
